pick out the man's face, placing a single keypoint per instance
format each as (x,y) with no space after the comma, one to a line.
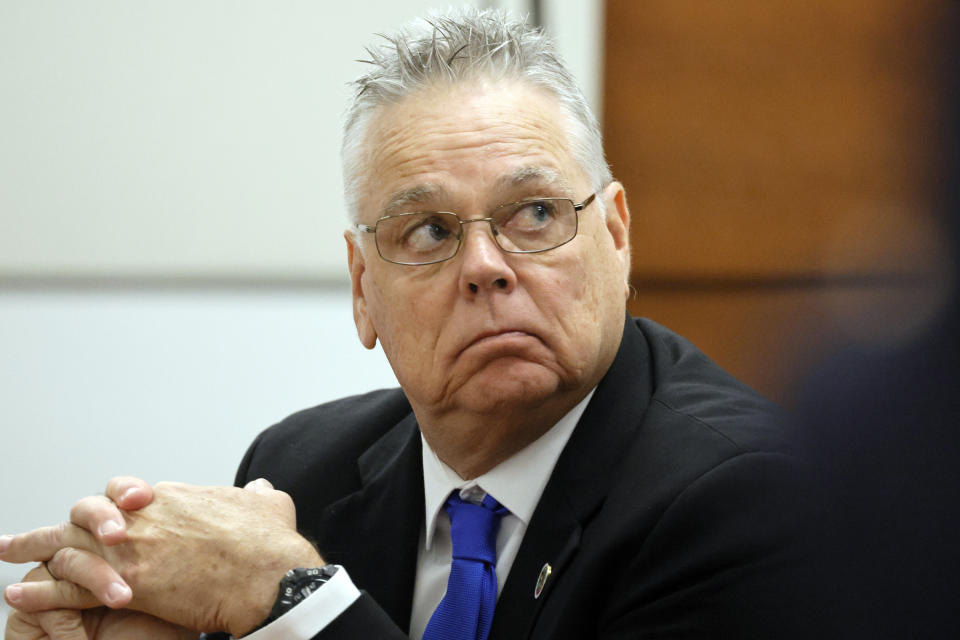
(487,331)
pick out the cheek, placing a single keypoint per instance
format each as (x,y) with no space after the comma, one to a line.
(563,291)
(579,286)
(589,299)
(604,268)
(405,315)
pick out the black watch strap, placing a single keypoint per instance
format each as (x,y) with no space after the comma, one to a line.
(295,586)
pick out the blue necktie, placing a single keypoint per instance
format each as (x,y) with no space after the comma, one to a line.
(466,611)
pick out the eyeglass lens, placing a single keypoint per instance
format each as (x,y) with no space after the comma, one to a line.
(425,237)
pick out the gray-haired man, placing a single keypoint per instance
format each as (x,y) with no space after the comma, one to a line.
(637,489)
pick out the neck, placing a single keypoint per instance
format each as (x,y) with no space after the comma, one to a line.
(473,443)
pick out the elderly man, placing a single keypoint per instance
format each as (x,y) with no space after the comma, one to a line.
(550,468)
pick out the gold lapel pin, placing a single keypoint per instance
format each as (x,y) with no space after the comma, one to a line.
(542,579)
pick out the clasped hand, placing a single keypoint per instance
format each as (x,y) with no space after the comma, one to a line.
(192,558)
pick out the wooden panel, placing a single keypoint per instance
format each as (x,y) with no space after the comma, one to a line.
(785,137)
(779,162)
(769,337)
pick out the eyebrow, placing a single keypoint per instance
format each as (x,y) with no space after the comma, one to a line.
(534,174)
(401,201)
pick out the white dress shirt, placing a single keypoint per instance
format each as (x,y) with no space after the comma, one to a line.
(517,483)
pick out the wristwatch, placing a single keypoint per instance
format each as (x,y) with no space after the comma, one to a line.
(295,586)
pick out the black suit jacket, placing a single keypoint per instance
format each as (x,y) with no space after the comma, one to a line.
(668,513)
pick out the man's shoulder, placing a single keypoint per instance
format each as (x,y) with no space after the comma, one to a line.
(329,437)
(361,418)
(688,385)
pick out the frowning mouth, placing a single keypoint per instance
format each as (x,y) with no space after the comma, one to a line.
(505,338)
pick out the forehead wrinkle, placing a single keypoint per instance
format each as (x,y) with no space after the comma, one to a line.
(497,134)
(413,141)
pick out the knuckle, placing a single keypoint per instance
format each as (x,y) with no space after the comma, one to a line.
(72,593)
(101,508)
(84,508)
(21,625)
(52,537)
(284,499)
(119,484)
(86,505)
(131,573)
(68,563)
(70,560)
(57,564)
(60,622)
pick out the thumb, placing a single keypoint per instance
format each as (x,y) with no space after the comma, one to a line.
(129,493)
(260,485)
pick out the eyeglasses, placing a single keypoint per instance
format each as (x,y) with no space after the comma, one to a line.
(426,237)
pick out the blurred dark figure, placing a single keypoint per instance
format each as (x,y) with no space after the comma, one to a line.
(882,430)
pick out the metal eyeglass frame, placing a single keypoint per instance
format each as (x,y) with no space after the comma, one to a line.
(577,208)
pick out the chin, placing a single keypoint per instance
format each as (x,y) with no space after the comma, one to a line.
(506,385)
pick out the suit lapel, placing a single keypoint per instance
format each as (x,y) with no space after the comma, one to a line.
(375,531)
(578,485)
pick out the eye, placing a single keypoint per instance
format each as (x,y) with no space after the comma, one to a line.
(535,215)
(424,234)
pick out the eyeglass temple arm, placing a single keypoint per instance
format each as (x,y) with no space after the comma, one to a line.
(583,205)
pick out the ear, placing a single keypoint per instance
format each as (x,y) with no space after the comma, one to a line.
(618,223)
(361,315)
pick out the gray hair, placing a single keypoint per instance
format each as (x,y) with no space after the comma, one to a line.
(466,44)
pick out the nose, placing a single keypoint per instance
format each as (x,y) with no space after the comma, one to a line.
(484,266)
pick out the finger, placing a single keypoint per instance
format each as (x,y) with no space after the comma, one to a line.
(62,624)
(129,493)
(285,506)
(41,544)
(85,581)
(101,517)
(260,485)
(22,626)
(45,595)
(86,570)
(46,625)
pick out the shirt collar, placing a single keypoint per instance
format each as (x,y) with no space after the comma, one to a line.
(517,483)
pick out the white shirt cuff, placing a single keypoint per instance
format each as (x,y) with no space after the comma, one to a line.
(312,615)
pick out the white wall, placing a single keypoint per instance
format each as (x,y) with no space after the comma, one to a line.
(183,137)
(180,150)
(165,385)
